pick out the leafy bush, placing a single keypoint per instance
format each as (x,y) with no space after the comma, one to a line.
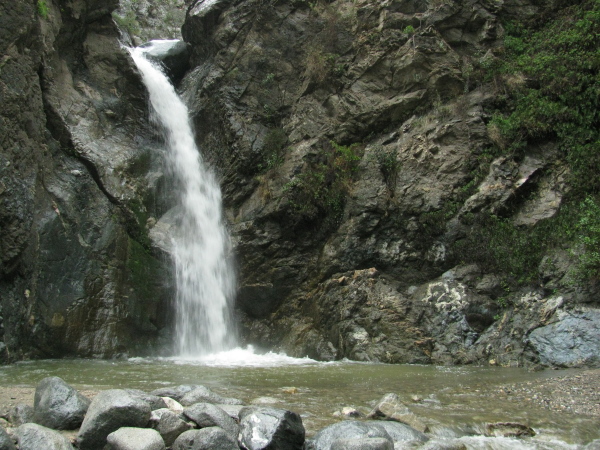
(587,236)
(558,97)
(42,9)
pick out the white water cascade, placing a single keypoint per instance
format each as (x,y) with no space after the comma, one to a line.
(200,244)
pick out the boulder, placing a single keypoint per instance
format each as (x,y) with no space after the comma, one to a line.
(154,401)
(208,415)
(20,414)
(400,432)
(175,392)
(350,430)
(232,410)
(270,428)
(173,405)
(59,406)
(363,444)
(31,436)
(128,438)
(391,408)
(203,394)
(168,424)
(211,438)
(109,411)
(6,442)
(173,54)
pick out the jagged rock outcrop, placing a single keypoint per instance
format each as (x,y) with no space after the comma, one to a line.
(352,142)
(78,275)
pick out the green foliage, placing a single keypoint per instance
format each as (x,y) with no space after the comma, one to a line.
(273,147)
(319,192)
(42,9)
(587,235)
(553,92)
(389,166)
(128,22)
(409,30)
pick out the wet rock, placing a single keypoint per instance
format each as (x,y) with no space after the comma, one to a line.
(109,411)
(208,415)
(400,432)
(571,341)
(6,442)
(362,444)
(211,438)
(20,414)
(270,428)
(391,408)
(128,438)
(31,436)
(325,439)
(173,54)
(176,392)
(508,429)
(232,410)
(444,444)
(202,394)
(169,424)
(59,406)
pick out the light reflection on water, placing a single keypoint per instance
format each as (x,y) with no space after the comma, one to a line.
(455,397)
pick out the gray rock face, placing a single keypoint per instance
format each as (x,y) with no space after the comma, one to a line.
(211,438)
(400,432)
(202,394)
(208,415)
(349,430)
(572,341)
(270,428)
(128,438)
(109,411)
(59,406)
(6,442)
(31,436)
(168,424)
(154,401)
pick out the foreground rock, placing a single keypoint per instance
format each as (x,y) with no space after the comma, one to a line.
(332,437)
(208,415)
(391,408)
(109,411)
(6,442)
(59,406)
(270,428)
(202,394)
(169,424)
(31,436)
(127,438)
(211,438)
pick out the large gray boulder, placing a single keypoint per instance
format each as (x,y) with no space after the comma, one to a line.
(209,415)
(6,442)
(109,411)
(211,438)
(175,392)
(128,438)
(325,439)
(202,394)
(31,436)
(154,401)
(400,432)
(59,406)
(270,428)
(169,424)
(390,407)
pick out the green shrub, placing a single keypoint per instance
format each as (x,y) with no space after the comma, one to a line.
(587,235)
(42,8)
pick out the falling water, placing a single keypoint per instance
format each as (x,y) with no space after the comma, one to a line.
(200,245)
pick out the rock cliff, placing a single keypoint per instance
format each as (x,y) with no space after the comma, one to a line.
(370,217)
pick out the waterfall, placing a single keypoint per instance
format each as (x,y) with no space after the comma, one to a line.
(200,244)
